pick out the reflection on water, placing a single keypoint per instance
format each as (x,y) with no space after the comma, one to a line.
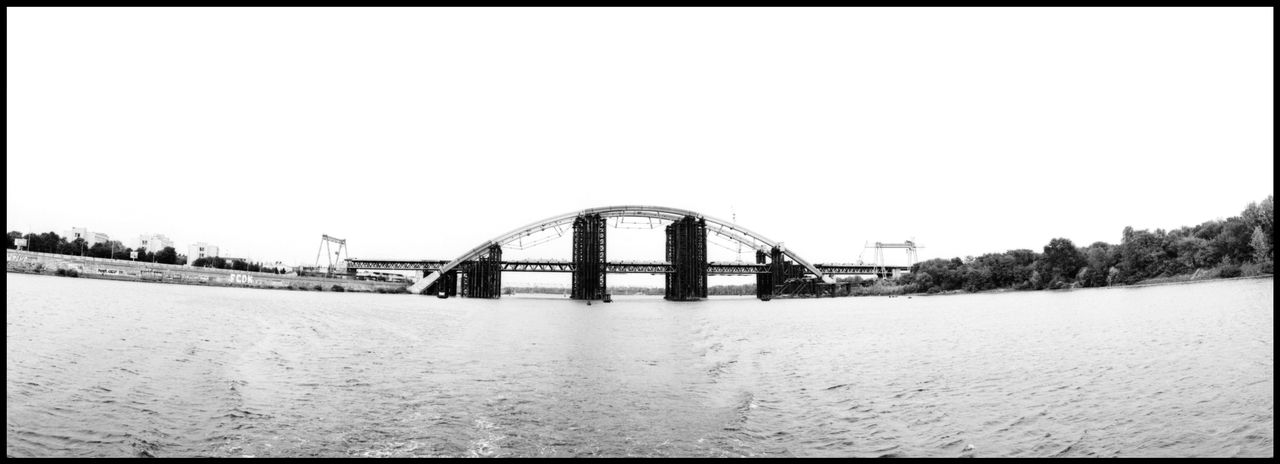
(104,368)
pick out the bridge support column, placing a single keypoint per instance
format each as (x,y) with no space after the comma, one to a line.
(588,258)
(764,282)
(448,283)
(483,277)
(687,253)
(786,277)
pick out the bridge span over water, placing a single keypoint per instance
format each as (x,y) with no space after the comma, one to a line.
(623,267)
(778,270)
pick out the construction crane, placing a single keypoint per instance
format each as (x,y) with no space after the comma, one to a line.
(333,256)
(909,245)
(735,221)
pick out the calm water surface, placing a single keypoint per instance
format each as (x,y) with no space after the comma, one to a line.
(105,368)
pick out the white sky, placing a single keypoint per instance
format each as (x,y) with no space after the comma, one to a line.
(420,133)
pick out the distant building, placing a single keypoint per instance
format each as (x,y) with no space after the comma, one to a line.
(388,276)
(200,250)
(84,233)
(278,265)
(153,242)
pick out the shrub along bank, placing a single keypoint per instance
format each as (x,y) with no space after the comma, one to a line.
(1234,247)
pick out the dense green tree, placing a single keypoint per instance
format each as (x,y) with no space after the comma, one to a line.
(1061,261)
(1190,253)
(99,250)
(1261,216)
(1099,259)
(144,255)
(939,274)
(109,249)
(1209,229)
(239,265)
(47,242)
(76,247)
(1231,246)
(1140,253)
(1261,248)
(167,256)
(13,236)
(979,276)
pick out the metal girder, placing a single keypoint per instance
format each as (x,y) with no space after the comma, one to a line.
(855,269)
(482,278)
(736,268)
(395,265)
(638,268)
(538,266)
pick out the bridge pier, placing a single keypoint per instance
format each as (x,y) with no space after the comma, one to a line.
(482,278)
(764,281)
(448,282)
(687,253)
(784,277)
(588,258)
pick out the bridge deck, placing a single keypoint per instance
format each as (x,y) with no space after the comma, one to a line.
(619,267)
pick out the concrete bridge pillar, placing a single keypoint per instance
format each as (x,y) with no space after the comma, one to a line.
(687,253)
(588,258)
(482,278)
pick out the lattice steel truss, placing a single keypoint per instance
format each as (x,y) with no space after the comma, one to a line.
(687,253)
(588,258)
(482,278)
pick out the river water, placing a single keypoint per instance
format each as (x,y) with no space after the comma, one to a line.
(108,368)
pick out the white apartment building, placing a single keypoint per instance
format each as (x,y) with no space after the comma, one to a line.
(84,233)
(153,242)
(200,250)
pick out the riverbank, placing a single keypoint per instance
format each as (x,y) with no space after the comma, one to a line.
(1152,283)
(29,262)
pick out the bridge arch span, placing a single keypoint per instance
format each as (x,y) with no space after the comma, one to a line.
(714,225)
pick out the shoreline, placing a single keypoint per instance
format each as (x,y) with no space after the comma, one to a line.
(1114,287)
(38,263)
(53,265)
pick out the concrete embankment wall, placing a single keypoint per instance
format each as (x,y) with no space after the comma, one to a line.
(100,268)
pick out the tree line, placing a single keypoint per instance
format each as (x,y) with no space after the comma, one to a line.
(1239,245)
(235,265)
(51,242)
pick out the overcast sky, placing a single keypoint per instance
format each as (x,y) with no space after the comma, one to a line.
(420,133)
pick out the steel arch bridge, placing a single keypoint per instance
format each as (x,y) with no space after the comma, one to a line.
(685,270)
(721,227)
